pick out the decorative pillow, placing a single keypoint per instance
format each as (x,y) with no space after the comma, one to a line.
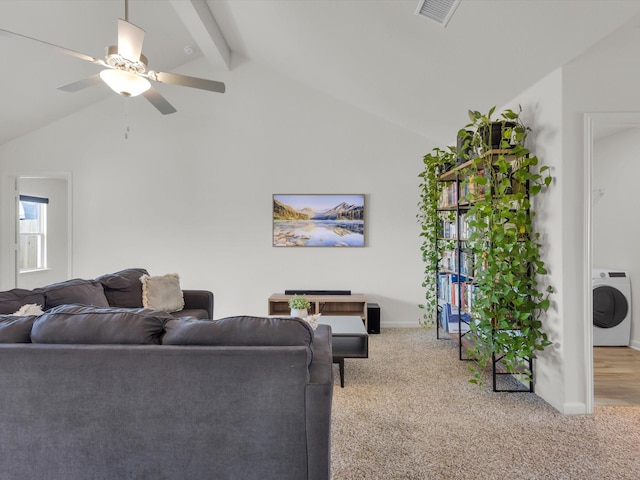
(76,291)
(12,300)
(76,324)
(123,288)
(313,320)
(162,292)
(15,329)
(29,309)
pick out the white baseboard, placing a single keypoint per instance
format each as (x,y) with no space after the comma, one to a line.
(574,408)
(635,345)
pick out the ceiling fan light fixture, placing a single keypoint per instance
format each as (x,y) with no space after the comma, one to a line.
(125,83)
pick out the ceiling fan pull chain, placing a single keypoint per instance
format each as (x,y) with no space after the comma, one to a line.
(126,118)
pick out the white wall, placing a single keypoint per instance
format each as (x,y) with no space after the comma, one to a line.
(542,112)
(191,192)
(616,168)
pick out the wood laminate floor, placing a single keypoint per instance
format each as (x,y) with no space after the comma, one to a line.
(616,376)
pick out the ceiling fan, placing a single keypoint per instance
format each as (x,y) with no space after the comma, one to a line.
(126,68)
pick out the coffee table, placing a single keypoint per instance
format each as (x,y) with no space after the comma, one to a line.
(349,339)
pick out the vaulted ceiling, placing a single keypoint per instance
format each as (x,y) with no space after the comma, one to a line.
(376,55)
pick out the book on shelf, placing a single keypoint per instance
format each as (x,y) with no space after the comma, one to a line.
(452,321)
(471,190)
(457,260)
(448,260)
(447,229)
(448,196)
(455,290)
(465,229)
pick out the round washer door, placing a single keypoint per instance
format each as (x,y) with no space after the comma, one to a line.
(610,306)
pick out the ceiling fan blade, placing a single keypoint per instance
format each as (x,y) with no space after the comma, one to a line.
(81,84)
(158,101)
(186,81)
(67,51)
(130,39)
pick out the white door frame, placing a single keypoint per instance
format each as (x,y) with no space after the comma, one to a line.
(592,123)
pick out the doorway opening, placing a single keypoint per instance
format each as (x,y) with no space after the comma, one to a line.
(611,354)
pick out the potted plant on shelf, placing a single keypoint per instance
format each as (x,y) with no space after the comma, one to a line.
(486,133)
(299,305)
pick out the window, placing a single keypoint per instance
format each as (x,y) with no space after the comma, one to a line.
(33,233)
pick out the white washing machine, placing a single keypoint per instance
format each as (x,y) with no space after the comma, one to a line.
(611,308)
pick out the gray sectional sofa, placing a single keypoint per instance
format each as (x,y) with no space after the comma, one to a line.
(133,393)
(119,289)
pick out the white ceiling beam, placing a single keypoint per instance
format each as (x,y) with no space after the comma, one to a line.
(197,17)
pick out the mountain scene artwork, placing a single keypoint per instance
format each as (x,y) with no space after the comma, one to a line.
(318,220)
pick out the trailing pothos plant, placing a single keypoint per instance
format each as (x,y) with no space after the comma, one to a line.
(507,300)
(430,219)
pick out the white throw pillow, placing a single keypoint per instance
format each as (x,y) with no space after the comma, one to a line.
(162,292)
(313,320)
(29,309)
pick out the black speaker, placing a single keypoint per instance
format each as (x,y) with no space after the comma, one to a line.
(373,317)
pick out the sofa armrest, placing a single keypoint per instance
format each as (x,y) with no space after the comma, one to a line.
(198,299)
(320,370)
(319,401)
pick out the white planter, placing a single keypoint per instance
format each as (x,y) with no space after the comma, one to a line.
(299,313)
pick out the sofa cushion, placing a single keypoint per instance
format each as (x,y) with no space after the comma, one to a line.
(75,291)
(123,288)
(16,329)
(93,325)
(12,300)
(162,292)
(239,331)
(198,313)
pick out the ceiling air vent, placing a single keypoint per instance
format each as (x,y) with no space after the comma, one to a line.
(437,10)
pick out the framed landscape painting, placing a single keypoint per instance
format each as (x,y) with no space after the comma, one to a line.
(318,220)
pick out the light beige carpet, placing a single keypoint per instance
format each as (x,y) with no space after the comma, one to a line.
(409,412)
